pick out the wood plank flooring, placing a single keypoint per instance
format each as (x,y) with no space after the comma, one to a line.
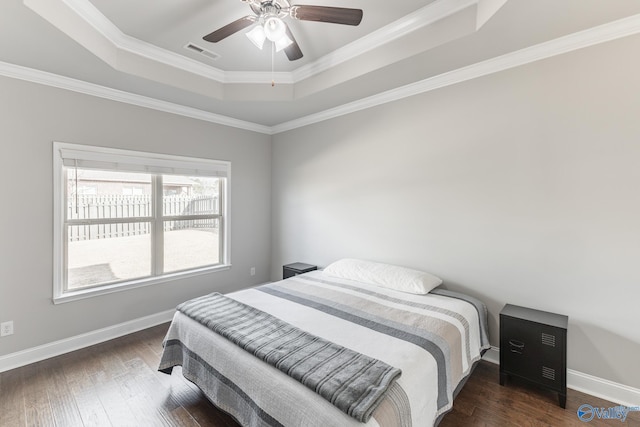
(116,384)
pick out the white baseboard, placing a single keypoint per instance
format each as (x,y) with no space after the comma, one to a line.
(615,392)
(56,348)
(589,384)
(492,355)
(605,389)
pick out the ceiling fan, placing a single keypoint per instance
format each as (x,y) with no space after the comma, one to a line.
(269,16)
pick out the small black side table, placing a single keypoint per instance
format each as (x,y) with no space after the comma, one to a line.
(533,346)
(296,268)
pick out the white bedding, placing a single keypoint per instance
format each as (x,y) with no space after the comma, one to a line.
(257,394)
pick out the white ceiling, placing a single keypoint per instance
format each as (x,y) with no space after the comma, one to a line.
(171,25)
(137,46)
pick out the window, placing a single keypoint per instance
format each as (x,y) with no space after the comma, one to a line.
(148,218)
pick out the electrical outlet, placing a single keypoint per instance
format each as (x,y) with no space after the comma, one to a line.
(6,328)
(252,271)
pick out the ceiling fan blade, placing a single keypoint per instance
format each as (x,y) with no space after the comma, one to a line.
(229,29)
(335,15)
(293,50)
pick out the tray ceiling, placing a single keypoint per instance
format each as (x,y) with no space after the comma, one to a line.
(138,46)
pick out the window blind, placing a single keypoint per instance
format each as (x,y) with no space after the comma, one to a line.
(128,161)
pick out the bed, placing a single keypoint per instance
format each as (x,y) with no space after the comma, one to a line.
(433,340)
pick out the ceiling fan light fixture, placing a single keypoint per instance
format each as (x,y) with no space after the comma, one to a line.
(274,28)
(257,36)
(270,17)
(282,43)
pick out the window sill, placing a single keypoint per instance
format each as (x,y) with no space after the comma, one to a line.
(134,284)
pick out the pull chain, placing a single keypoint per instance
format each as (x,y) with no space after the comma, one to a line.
(273,50)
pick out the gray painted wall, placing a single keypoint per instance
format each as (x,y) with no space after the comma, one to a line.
(519,187)
(31,117)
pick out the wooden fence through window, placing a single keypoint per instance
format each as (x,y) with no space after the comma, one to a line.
(136,206)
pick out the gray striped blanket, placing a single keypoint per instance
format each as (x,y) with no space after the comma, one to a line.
(435,339)
(353,382)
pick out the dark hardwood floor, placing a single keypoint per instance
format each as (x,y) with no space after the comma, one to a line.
(116,384)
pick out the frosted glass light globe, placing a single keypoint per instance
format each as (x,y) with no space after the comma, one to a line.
(274,29)
(257,36)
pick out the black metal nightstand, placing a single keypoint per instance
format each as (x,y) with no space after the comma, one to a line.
(533,346)
(296,268)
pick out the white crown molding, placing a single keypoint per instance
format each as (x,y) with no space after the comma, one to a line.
(90,14)
(56,348)
(596,35)
(595,386)
(257,77)
(67,83)
(601,34)
(425,16)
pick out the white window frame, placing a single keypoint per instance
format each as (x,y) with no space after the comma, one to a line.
(116,159)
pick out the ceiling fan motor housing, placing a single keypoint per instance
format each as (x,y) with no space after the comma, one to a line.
(270,8)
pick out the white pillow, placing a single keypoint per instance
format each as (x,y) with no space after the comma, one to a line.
(385,275)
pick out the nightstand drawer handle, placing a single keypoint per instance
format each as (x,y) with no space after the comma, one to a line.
(516,346)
